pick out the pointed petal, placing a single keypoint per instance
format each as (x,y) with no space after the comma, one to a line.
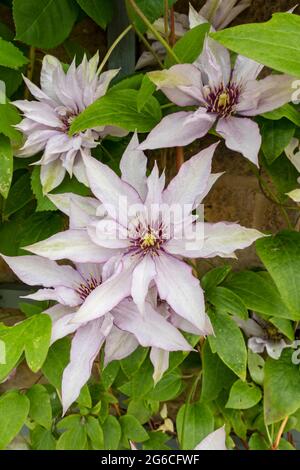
(50,64)
(214,62)
(241,135)
(142,276)
(150,329)
(52,175)
(192,179)
(160,361)
(118,345)
(214,441)
(34,271)
(85,347)
(74,245)
(245,69)
(182,84)
(105,297)
(268,94)
(109,188)
(133,166)
(63,203)
(177,285)
(63,295)
(222,239)
(179,129)
(292,151)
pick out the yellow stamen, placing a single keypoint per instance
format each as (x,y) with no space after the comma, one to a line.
(148,240)
(223,100)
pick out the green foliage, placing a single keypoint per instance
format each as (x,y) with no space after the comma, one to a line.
(119,108)
(194,422)
(243,395)
(14,408)
(233,353)
(43,23)
(6,165)
(101,11)
(276,137)
(190,46)
(11,56)
(273,44)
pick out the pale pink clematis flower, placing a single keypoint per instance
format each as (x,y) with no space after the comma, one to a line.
(219,13)
(122,329)
(149,248)
(224,97)
(46,122)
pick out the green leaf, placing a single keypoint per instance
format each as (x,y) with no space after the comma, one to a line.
(95,432)
(190,46)
(132,429)
(40,407)
(12,79)
(216,376)
(57,360)
(85,398)
(282,166)
(31,335)
(152,9)
(119,108)
(73,439)
(37,340)
(132,363)
(286,111)
(276,135)
(11,56)
(194,422)
(42,439)
(281,388)
(140,383)
(101,11)
(258,293)
(233,353)
(14,408)
(19,195)
(281,256)
(112,433)
(227,301)
(109,374)
(243,395)
(140,410)
(156,441)
(145,92)
(169,387)
(256,367)
(6,165)
(9,117)
(43,23)
(274,43)
(257,442)
(215,277)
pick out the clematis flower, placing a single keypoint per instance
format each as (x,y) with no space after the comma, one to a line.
(46,122)
(149,246)
(263,335)
(225,98)
(220,13)
(122,329)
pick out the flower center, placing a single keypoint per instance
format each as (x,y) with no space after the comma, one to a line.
(66,117)
(86,288)
(148,240)
(223,100)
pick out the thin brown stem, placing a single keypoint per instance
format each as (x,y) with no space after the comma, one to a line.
(179,158)
(172,39)
(30,70)
(280,433)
